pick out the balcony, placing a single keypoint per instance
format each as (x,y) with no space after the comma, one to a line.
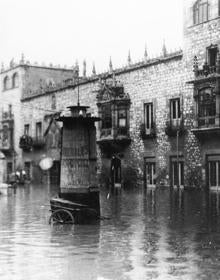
(147,133)
(208,72)
(173,127)
(206,126)
(39,142)
(205,71)
(113,140)
(118,134)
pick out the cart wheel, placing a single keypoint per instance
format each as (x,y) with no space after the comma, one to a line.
(61,216)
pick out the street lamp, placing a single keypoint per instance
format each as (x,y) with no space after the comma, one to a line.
(177,157)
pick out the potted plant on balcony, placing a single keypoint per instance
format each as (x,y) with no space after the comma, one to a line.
(151,133)
(171,130)
(26,142)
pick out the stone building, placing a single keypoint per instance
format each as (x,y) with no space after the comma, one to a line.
(18,80)
(160,117)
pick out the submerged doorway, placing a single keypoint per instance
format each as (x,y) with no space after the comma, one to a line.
(177,172)
(150,172)
(55,173)
(213,170)
(115,172)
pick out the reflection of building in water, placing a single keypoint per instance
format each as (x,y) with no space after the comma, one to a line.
(161,116)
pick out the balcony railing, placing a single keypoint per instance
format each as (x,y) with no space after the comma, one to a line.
(105,132)
(207,122)
(206,126)
(122,131)
(39,142)
(173,126)
(205,71)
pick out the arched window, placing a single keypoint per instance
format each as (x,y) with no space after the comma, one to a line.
(6,83)
(15,80)
(200,11)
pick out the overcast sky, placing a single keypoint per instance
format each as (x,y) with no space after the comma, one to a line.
(61,32)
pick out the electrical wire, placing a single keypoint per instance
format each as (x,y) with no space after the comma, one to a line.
(29,106)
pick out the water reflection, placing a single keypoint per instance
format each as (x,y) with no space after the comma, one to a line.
(151,234)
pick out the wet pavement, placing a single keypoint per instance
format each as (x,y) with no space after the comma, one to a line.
(151,234)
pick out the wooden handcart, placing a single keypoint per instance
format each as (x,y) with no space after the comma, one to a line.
(68,212)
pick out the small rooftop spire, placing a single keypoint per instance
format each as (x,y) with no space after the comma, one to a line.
(145,53)
(84,68)
(110,65)
(12,63)
(129,58)
(22,59)
(76,70)
(2,67)
(93,69)
(164,49)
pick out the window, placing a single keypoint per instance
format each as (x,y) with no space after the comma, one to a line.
(212,55)
(175,112)
(26,129)
(6,83)
(200,11)
(219,7)
(113,108)
(38,130)
(106,114)
(122,117)
(15,80)
(53,102)
(148,116)
(206,103)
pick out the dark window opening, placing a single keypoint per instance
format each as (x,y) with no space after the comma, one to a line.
(214,172)
(175,109)
(26,129)
(148,115)
(106,116)
(6,83)
(212,55)
(200,11)
(38,130)
(15,80)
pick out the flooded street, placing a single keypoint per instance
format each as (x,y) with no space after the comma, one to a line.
(158,234)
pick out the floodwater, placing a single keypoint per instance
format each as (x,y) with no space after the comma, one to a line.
(160,234)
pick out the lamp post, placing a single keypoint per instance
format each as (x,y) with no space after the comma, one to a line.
(177,156)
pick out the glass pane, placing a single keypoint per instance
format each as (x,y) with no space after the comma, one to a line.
(174,109)
(213,173)
(148,115)
(122,123)
(106,116)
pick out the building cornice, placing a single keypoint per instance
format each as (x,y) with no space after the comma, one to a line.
(130,68)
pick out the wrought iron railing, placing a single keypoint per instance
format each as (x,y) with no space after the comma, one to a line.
(39,141)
